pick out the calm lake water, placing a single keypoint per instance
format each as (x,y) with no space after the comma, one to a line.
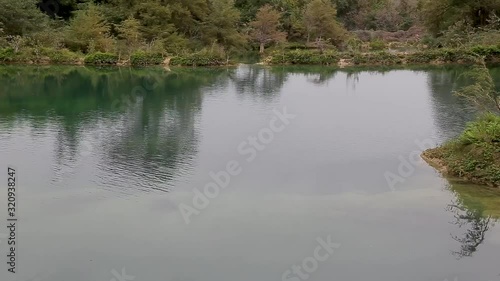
(111,163)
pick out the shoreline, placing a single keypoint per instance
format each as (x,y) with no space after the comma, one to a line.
(430,57)
(437,158)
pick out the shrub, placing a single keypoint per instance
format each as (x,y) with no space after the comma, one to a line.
(353,44)
(305,57)
(24,55)
(62,56)
(474,155)
(295,46)
(199,59)
(485,130)
(377,58)
(6,54)
(441,55)
(101,58)
(143,58)
(488,52)
(377,45)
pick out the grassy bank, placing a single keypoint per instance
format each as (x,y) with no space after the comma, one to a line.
(44,56)
(429,56)
(474,155)
(283,57)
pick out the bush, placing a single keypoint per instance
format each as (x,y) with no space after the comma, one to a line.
(488,52)
(63,56)
(6,54)
(295,46)
(377,58)
(24,55)
(441,56)
(101,58)
(377,45)
(485,130)
(143,58)
(475,154)
(199,59)
(353,44)
(305,57)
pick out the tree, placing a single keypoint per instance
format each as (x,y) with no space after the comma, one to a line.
(249,8)
(321,23)
(266,27)
(438,15)
(291,20)
(482,93)
(347,10)
(155,19)
(21,17)
(222,26)
(478,225)
(89,31)
(190,16)
(129,33)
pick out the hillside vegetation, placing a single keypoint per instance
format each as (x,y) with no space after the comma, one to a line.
(475,154)
(148,31)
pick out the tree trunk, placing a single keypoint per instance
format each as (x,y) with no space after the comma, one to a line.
(261,48)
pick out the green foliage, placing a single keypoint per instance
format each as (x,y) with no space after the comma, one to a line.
(27,55)
(377,45)
(440,56)
(439,15)
(222,25)
(388,15)
(89,31)
(482,92)
(489,53)
(265,28)
(353,44)
(179,27)
(63,56)
(485,130)
(329,57)
(321,23)
(464,34)
(446,55)
(203,58)
(434,56)
(475,154)
(295,46)
(129,34)
(21,17)
(6,54)
(143,58)
(377,58)
(291,17)
(249,8)
(101,59)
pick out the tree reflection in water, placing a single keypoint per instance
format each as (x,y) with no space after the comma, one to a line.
(475,209)
(476,224)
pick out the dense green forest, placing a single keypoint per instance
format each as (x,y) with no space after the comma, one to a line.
(61,28)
